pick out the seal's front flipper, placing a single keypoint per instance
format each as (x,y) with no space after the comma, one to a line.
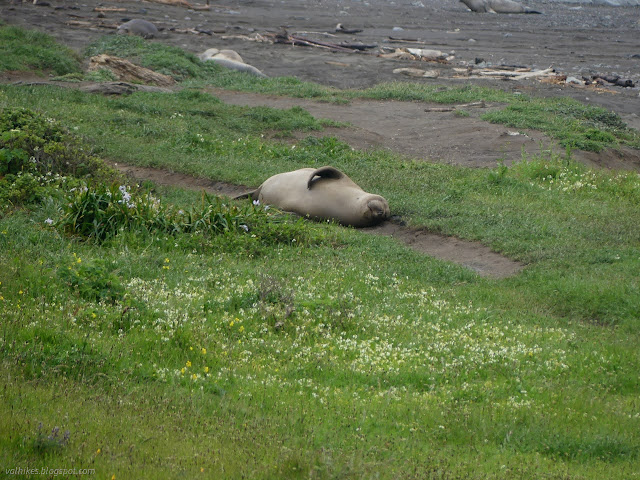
(325,172)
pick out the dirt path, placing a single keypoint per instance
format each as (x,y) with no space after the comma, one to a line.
(474,256)
(442,137)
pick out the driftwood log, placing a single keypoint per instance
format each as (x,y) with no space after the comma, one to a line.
(293,39)
(129,72)
(109,9)
(480,104)
(120,88)
(342,29)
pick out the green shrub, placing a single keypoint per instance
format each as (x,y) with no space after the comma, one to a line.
(30,142)
(100,212)
(38,156)
(23,188)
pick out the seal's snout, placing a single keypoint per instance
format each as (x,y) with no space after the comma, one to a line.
(379,209)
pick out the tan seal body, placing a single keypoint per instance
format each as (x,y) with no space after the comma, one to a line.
(215,53)
(231,60)
(323,194)
(497,6)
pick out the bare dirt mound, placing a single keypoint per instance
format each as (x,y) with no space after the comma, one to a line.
(474,256)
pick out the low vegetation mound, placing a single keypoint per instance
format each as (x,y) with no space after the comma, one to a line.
(30,50)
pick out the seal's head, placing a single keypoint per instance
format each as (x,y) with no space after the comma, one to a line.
(377,210)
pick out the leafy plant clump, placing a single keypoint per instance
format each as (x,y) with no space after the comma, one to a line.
(100,212)
(31,142)
(93,281)
(38,155)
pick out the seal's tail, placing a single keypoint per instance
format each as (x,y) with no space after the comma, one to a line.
(252,195)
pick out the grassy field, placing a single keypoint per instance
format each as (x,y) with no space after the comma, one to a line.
(158,333)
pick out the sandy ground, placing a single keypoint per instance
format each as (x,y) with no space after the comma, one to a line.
(575,40)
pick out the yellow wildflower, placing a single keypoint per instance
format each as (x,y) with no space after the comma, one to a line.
(206,369)
(204,351)
(188,363)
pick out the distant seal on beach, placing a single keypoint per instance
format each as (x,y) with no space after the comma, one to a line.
(139,27)
(322,194)
(497,6)
(215,53)
(231,60)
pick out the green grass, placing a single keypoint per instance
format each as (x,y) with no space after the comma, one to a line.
(173,354)
(27,50)
(576,125)
(505,209)
(570,122)
(305,371)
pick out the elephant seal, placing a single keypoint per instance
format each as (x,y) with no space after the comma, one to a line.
(139,27)
(322,194)
(215,53)
(239,66)
(231,60)
(497,6)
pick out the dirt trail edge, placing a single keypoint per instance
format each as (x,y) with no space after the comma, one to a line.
(474,256)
